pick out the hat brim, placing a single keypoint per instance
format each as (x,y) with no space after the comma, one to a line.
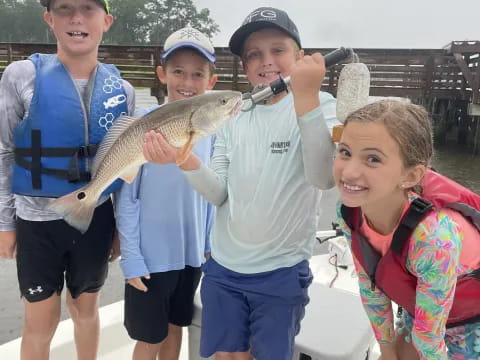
(210,57)
(46,4)
(239,36)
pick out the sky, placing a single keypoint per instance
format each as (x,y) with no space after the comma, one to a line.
(360,23)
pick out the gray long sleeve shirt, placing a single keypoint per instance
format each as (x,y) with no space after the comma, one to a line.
(16,92)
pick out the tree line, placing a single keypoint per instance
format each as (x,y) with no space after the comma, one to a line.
(137,22)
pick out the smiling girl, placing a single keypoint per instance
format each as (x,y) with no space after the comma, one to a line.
(381,160)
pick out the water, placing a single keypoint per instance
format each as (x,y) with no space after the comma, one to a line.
(460,165)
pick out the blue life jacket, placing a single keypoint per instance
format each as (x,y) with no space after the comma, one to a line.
(56,142)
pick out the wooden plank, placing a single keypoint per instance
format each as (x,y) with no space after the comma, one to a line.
(464,47)
(465,70)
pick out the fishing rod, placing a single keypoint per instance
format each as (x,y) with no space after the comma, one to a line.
(282,84)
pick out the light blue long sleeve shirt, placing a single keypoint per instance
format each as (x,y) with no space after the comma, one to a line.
(163,223)
(264,178)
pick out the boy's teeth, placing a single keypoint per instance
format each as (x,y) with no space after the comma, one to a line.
(185,93)
(77,33)
(270,73)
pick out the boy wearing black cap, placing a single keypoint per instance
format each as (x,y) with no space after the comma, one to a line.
(163,223)
(264,177)
(55,110)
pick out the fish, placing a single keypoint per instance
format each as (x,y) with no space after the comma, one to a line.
(120,154)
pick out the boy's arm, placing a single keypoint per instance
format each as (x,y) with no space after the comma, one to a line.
(210,182)
(316,118)
(129,89)
(15,79)
(127,212)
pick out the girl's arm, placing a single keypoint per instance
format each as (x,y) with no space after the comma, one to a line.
(377,305)
(433,257)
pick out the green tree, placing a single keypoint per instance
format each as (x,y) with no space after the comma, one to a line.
(21,21)
(130,25)
(166,16)
(136,21)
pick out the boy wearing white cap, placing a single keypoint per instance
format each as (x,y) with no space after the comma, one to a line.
(163,223)
(266,169)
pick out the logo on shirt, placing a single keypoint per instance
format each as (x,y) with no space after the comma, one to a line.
(280,147)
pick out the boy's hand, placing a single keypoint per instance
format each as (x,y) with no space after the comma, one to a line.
(138,284)
(306,79)
(156,149)
(115,250)
(8,244)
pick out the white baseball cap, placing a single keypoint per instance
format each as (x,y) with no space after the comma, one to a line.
(189,37)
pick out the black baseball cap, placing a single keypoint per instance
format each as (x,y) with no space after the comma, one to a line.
(103,3)
(261,18)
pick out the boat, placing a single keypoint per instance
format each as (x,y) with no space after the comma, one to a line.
(335,325)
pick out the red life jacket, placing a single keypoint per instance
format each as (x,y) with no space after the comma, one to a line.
(389,272)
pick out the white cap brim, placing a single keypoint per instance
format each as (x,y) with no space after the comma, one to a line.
(210,57)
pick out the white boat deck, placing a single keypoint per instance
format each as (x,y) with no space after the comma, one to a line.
(115,343)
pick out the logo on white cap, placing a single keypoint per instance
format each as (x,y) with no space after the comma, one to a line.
(189,37)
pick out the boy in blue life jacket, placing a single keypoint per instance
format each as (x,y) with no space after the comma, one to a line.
(55,111)
(163,223)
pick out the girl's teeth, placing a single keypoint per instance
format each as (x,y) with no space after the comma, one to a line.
(352,187)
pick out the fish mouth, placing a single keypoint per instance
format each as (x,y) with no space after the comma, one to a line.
(237,108)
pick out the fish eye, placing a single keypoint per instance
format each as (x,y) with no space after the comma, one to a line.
(223,101)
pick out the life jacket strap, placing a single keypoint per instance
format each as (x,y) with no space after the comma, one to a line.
(417,211)
(36,152)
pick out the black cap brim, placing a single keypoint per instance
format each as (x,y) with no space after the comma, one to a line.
(238,38)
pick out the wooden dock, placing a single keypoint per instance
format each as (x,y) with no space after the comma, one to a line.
(446,81)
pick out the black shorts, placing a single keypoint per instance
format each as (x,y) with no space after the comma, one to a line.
(50,253)
(169,299)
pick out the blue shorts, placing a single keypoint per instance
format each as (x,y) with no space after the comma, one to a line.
(258,311)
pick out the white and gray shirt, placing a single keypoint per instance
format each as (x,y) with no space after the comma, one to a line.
(16,92)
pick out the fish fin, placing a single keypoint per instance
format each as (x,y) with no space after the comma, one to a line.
(76,208)
(186,149)
(130,174)
(117,129)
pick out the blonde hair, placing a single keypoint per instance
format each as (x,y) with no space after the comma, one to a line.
(408,124)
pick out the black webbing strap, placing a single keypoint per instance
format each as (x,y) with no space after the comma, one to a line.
(83,151)
(36,159)
(36,152)
(418,209)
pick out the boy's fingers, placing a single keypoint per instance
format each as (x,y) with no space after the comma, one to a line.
(318,58)
(138,284)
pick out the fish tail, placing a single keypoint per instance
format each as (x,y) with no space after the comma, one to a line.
(76,208)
